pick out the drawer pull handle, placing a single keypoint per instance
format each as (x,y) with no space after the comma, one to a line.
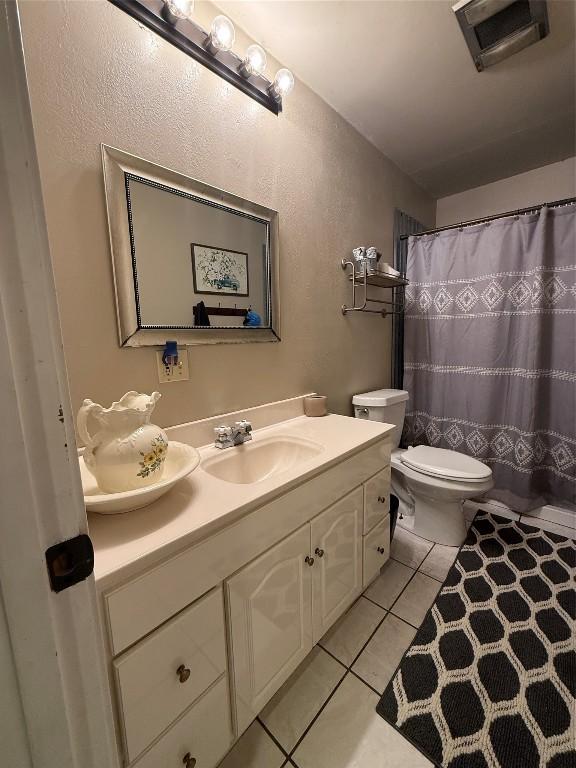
(309,560)
(183,674)
(381,550)
(188,760)
(319,552)
(382,499)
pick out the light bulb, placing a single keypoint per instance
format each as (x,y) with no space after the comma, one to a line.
(254,61)
(179,9)
(221,36)
(282,85)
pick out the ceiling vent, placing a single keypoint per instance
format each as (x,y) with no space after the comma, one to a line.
(497,29)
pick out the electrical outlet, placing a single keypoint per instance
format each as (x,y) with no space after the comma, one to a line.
(169,373)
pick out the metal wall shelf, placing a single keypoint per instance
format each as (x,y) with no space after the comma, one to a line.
(377,279)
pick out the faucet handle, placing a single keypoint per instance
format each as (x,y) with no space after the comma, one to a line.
(244,425)
(222,431)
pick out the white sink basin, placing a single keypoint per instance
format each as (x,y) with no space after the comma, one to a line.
(260,459)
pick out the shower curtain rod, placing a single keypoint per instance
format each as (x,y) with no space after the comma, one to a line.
(519,212)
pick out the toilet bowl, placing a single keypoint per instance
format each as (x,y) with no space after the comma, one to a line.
(431,483)
(431,503)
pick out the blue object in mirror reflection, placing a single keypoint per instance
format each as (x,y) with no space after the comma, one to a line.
(253,319)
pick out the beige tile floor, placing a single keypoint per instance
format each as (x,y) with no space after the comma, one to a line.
(324,715)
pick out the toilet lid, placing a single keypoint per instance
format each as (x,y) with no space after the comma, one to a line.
(443,463)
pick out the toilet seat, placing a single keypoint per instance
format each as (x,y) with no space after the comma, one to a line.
(442,463)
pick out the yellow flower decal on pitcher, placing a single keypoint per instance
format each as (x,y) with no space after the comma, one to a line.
(152,460)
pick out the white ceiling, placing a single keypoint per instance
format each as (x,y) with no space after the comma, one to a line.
(400,72)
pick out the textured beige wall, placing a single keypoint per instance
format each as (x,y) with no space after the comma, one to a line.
(96,75)
(556,181)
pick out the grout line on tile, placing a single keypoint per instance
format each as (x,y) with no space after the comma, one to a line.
(401,562)
(404,620)
(423,573)
(375,603)
(361,651)
(274,739)
(403,590)
(365,683)
(316,716)
(332,655)
(414,572)
(426,558)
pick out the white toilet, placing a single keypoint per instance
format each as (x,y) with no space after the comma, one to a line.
(431,483)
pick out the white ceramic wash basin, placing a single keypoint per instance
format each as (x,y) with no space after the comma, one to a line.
(261,458)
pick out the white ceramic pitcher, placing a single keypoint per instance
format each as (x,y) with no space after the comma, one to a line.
(126,452)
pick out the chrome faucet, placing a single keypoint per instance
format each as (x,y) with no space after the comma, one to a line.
(228,437)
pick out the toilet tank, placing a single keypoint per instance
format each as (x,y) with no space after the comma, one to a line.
(386,405)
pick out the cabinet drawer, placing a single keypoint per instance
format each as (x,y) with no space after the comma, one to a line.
(204,733)
(376,550)
(376,499)
(161,676)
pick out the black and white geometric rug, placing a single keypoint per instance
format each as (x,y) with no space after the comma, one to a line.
(490,678)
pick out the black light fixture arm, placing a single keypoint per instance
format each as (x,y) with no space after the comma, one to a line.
(191,38)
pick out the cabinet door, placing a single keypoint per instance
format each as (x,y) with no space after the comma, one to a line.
(270,622)
(376,499)
(376,550)
(337,553)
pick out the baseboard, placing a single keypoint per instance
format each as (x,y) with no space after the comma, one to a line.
(553,514)
(548,513)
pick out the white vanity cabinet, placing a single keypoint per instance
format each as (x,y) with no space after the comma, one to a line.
(201,640)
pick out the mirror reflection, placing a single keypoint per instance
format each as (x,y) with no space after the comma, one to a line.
(196,263)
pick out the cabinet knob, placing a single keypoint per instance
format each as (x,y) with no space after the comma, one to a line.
(381,550)
(319,552)
(382,499)
(188,760)
(183,675)
(309,560)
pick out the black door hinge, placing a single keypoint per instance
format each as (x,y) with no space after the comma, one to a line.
(70,562)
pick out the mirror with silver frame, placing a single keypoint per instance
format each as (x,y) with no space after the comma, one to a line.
(192,263)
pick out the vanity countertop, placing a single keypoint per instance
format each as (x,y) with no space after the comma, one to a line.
(201,504)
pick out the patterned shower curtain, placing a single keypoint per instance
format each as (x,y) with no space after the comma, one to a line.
(490,350)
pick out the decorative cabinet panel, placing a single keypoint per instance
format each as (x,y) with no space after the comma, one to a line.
(337,553)
(162,675)
(376,550)
(270,612)
(376,499)
(200,738)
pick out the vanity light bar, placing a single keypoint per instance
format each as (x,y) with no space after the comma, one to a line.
(171,19)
